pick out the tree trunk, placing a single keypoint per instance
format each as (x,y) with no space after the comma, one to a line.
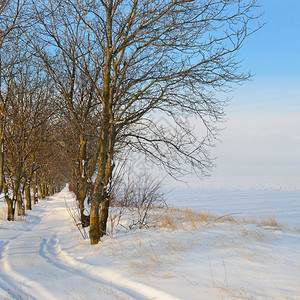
(20,204)
(101,197)
(50,189)
(35,194)
(53,188)
(10,205)
(40,191)
(35,189)
(82,180)
(81,195)
(100,189)
(104,209)
(1,163)
(10,209)
(28,196)
(45,190)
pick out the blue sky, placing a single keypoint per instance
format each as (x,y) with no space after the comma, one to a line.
(275,48)
(260,143)
(273,55)
(262,135)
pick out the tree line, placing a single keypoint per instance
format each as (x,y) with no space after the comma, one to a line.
(82,83)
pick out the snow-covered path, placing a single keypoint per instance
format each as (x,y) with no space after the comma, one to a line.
(35,262)
(31,260)
(44,257)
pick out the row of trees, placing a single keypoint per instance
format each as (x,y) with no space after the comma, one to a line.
(26,93)
(84,81)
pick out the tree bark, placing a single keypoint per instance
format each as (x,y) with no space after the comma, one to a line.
(40,192)
(20,204)
(1,163)
(35,196)
(10,205)
(82,180)
(100,189)
(10,209)
(35,189)
(28,196)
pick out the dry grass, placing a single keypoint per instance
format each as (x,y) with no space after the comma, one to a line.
(253,235)
(147,261)
(264,221)
(176,219)
(175,246)
(167,221)
(250,220)
(270,222)
(155,257)
(232,293)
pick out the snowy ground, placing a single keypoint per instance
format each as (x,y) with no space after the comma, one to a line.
(284,205)
(43,255)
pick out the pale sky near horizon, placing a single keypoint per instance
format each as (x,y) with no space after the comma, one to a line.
(260,147)
(262,135)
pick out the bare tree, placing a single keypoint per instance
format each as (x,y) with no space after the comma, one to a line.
(60,27)
(169,58)
(10,19)
(145,58)
(26,131)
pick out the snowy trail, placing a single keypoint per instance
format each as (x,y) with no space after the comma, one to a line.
(35,263)
(44,257)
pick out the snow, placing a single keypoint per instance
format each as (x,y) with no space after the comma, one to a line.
(284,205)
(87,208)
(43,256)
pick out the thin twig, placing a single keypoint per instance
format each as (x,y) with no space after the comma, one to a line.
(78,224)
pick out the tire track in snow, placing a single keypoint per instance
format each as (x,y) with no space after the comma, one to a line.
(14,281)
(41,233)
(108,278)
(14,276)
(50,250)
(28,243)
(9,278)
(4,286)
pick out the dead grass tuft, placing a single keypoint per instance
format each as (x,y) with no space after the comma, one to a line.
(253,235)
(236,294)
(228,219)
(250,220)
(270,222)
(263,221)
(167,221)
(146,262)
(176,219)
(175,246)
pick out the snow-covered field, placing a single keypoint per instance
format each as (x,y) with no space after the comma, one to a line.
(284,205)
(43,255)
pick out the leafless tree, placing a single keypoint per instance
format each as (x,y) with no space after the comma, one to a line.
(59,27)
(145,59)
(26,131)
(10,20)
